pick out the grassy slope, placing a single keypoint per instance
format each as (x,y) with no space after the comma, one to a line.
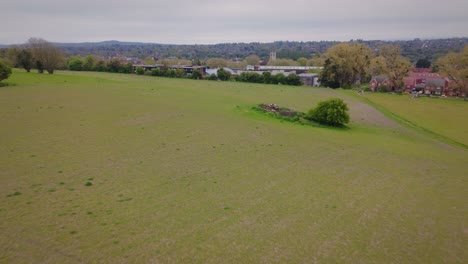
(444,117)
(181,174)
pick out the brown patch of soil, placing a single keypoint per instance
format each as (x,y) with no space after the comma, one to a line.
(276,109)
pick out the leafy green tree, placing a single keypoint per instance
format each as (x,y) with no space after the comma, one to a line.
(293,79)
(101,66)
(25,59)
(180,73)
(347,63)
(328,77)
(114,65)
(332,112)
(89,63)
(39,66)
(455,66)
(223,75)
(75,64)
(171,73)
(278,78)
(5,71)
(127,68)
(155,72)
(391,64)
(197,74)
(267,77)
(251,77)
(139,71)
(423,63)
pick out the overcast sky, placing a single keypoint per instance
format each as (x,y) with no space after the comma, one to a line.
(210,21)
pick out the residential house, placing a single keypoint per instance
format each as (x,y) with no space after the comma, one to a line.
(379,82)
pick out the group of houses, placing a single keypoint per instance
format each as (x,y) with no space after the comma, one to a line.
(420,80)
(309,79)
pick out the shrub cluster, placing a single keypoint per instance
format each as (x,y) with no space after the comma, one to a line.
(267,78)
(90,64)
(332,112)
(5,71)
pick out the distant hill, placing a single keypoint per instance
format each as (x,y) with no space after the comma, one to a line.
(413,49)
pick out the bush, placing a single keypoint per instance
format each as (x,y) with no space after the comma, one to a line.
(5,71)
(213,77)
(75,64)
(196,74)
(332,112)
(223,75)
(139,71)
(383,89)
(155,72)
(293,79)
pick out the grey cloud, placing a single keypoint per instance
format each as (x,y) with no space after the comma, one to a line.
(209,21)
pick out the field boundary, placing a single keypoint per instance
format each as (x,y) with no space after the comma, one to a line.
(407,123)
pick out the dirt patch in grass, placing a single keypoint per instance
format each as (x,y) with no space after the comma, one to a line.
(362,113)
(279,110)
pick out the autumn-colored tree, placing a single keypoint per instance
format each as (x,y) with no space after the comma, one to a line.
(455,66)
(317,60)
(89,63)
(391,64)
(283,62)
(346,63)
(252,60)
(46,55)
(302,61)
(216,63)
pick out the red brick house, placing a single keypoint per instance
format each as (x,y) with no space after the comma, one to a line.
(429,83)
(379,81)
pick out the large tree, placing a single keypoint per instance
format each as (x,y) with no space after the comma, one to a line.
(391,64)
(46,55)
(216,63)
(25,59)
(252,60)
(455,66)
(346,63)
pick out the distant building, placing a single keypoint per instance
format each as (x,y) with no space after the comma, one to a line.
(272,55)
(215,71)
(309,79)
(428,82)
(420,80)
(297,69)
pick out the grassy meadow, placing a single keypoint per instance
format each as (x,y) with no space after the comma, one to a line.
(446,118)
(106,168)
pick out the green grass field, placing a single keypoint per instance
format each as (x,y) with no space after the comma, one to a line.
(107,168)
(444,117)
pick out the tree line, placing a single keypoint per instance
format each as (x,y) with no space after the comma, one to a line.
(224,75)
(413,49)
(36,54)
(349,64)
